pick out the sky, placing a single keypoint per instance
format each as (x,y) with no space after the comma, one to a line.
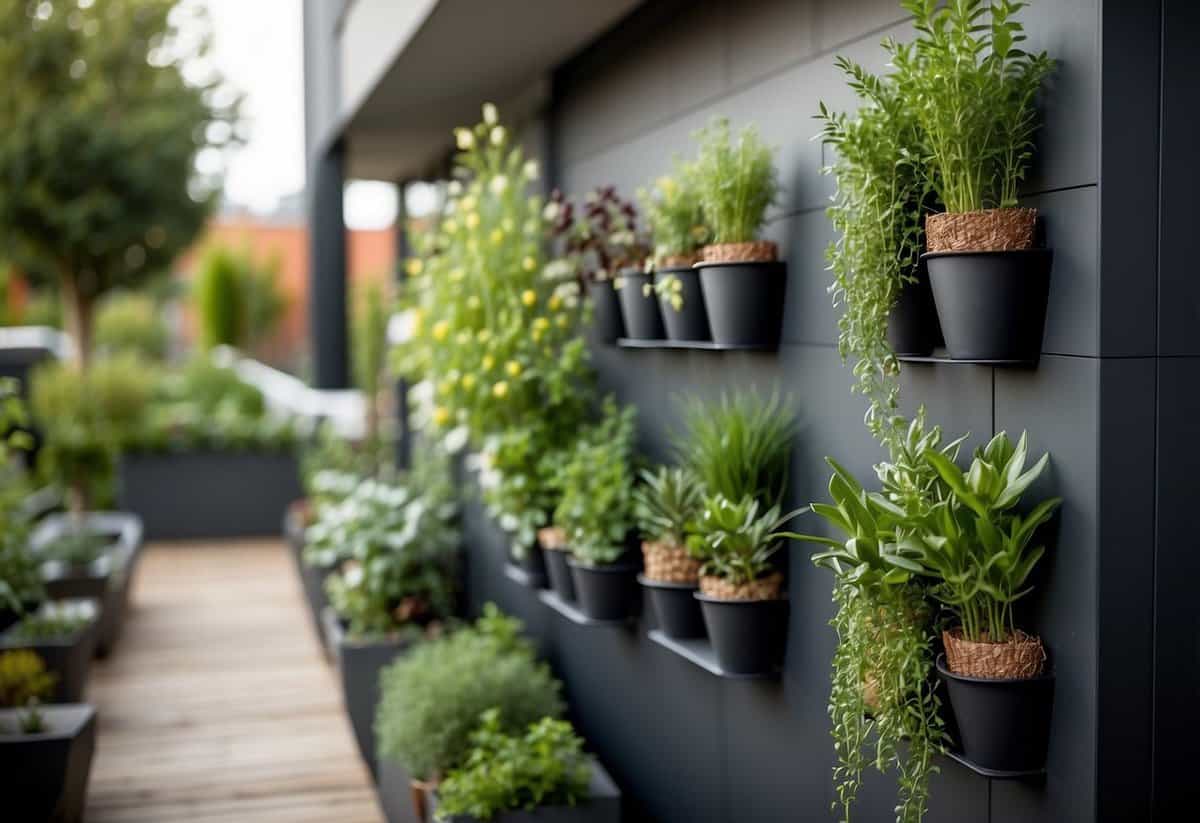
(258,48)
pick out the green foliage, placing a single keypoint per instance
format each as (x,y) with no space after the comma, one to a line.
(23,678)
(544,766)
(50,626)
(674,215)
(20,572)
(76,547)
(432,697)
(740,446)
(43,308)
(98,182)
(736,541)
(881,187)
(219,298)
(974,91)
(370,351)
(667,504)
(973,545)
(131,322)
(397,554)
(596,507)
(736,181)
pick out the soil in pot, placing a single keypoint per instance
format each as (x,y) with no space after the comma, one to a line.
(606,311)
(913,327)
(747,624)
(639,310)
(53,765)
(1003,724)
(608,593)
(744,287)
(689,322)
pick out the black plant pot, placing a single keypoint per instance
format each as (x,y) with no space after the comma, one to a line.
(748,636)
(744,302)
(533,564)
(53,766)
(675,606)
(690,322)
(608,593)
(991,304)
(603,805)
(913,328)
(1003,725)
(639,310)
(69,658)
(359,663)
(606,313)
(560,574)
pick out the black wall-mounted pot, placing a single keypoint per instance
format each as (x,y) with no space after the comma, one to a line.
(690,322)
(639,311)
(913,328)
(606,592)
(744,301)
(748,636)
(560,574)
(991,304)
(606,312)
(533,564)
(1003,725)
(675,606)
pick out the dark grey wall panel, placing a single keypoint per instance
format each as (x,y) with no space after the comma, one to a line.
(1071,221)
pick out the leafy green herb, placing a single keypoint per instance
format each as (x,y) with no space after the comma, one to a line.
(674,214)
(736,541)
(736,180)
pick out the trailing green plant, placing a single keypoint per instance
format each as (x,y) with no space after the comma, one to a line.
(396,551)
(432,697)
(974,92)
(975,548)
(667,503)
(736,540)
(597,481)
(877,211)
(736,181)
(131,322)
(739,446)
(544,765)
(24,682)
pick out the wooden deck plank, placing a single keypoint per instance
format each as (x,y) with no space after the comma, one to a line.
(217,704)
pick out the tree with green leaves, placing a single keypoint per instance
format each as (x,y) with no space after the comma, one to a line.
(100,130)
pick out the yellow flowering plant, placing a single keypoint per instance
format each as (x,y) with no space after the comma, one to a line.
(677,227)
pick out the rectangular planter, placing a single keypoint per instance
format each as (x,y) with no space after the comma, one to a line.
(108,583)
(50,769)
(602,806)
(208,494)
(69,658)
(312,578)
(359,663)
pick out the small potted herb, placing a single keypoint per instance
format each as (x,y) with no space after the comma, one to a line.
(980,553)
(546,776)
(676,220)
(741,277)
(396,582)
(666,505)
(974,92)
(53,743)
(741,592)
(596,510)
(431,700)
(21,586)
(63,635)
(602,242)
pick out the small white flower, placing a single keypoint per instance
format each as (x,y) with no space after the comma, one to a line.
(498,135)
(530,170)
(456,439)
(464,139)
(551,211)
(499,184)
(490,115)
(455,189)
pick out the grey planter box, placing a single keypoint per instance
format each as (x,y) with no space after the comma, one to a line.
(69,657)
(108,581)
(359,663)
(602,806)
(312,578)
(50,769)
(208,494)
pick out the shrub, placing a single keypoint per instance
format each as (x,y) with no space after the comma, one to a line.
(736,181)
(431,698)
(129,322)
(544,766)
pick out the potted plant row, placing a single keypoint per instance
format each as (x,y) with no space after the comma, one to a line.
(63,635)
(469,729)
(678,229)
(50,747)
(395,579)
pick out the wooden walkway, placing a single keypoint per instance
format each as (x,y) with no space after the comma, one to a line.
(216,704)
